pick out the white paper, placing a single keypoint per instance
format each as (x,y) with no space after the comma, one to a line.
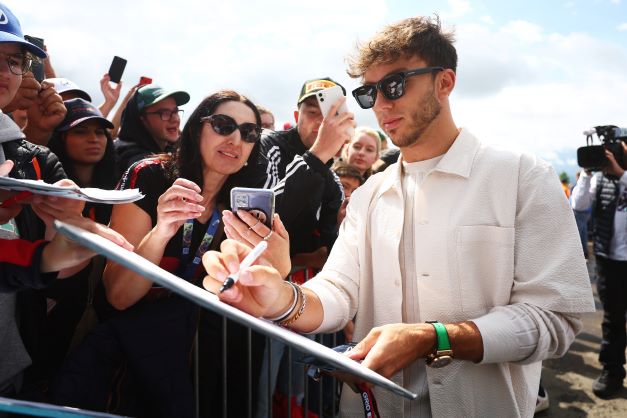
(88,194)
(210,301)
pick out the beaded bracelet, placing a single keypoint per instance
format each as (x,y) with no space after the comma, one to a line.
(289,311)
(303,299)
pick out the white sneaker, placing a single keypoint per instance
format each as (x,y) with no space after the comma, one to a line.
(542,402)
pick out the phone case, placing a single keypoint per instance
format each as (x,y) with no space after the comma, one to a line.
(327,98)
(259,202)
(117,69)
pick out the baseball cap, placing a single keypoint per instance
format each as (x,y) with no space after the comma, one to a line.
(63,85)
(150,94)
(11,31)
(78,111)
(310,87)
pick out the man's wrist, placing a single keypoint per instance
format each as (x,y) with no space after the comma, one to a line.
(319,153)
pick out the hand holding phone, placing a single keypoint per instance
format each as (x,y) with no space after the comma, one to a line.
(328,97)
(117,69)
(37,67)
(259,202)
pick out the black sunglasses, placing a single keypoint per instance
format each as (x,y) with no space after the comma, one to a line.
(392,86)
(225,125)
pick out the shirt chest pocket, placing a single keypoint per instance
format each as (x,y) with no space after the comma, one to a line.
(484,264)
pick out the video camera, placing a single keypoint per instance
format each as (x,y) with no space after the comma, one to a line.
(592,157)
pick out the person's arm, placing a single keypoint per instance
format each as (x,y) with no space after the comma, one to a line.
(111,95)
(305,177)
(260,290)
(551,287)
(117,116)
(124,287)
(19,266)
(48,68)
(34,265)
(584,192)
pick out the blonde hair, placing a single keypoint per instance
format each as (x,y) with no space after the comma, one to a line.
(359,131)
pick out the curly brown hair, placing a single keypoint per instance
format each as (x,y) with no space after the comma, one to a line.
(421,37)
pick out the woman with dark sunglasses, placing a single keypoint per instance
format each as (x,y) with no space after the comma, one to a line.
(172,226)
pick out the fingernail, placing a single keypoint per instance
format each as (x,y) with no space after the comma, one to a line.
(233,267)
(221,276)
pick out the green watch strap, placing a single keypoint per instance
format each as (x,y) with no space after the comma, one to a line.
(442,336)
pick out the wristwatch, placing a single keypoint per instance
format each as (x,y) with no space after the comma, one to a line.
(443,355)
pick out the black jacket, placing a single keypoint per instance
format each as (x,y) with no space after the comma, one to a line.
(47,168)
(308,193)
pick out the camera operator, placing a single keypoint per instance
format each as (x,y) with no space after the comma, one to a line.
(607,191)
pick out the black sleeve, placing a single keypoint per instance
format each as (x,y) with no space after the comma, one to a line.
(301,188)
(331,202)
(15,277)
(51,168)
(149,177)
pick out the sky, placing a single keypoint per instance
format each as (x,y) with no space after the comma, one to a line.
(532,75)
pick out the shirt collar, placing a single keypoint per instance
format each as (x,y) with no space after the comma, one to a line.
(457,160)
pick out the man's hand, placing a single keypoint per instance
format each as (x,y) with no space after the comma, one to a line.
(26,95)
(62,253)
(612,166)
(333,133)
(45,113)
(390,348)
(48,109)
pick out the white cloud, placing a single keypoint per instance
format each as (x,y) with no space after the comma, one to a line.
(459,8)
(487,19)
(622,27)
(523,31)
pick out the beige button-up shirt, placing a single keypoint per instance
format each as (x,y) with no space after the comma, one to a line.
(495,241)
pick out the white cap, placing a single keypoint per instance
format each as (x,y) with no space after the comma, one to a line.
(62,85)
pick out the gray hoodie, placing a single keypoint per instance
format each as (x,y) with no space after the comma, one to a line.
(13,355)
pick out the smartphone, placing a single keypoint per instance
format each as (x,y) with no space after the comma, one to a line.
(259,202)
(328,97)
(145,80)
(117,69)
(37,67)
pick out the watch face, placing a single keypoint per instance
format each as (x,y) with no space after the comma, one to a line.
(438,362)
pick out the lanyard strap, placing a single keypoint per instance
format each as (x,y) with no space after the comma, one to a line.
(186,269)
(370,403)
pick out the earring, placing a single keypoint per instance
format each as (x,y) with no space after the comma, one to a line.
(246,163)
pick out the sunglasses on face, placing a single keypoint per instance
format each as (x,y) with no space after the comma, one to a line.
(225,125)
(392,86)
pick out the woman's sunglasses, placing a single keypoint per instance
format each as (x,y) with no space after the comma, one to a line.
(392,86)
(225,125)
